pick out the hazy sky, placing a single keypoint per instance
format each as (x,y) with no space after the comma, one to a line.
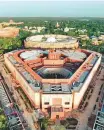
(52,8)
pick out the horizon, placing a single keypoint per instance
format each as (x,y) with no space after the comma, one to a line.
(52,9)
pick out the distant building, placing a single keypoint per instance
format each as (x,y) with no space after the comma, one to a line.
(66,29)
(82,31)
(83,37)
(11,22)
(95,40)
(9,32)
(1,26)
(72,28)
(57,25)
(34,31)
(101,37)
(30,28)
(26,27)
(39,29)
(44,41)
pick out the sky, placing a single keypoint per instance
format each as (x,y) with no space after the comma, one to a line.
(51,8)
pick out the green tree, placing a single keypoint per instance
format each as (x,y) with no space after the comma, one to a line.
(24,34)
(44,123)
(58,127)
(3,121)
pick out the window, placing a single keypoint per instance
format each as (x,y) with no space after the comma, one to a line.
(46,103)
(97,99)
(67,103)
(66,108)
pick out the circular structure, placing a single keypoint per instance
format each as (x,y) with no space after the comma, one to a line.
(37,38)
(75,55)
(49,41)
(54,73)
(30,55)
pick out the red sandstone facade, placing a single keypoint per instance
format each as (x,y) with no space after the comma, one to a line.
(42,82)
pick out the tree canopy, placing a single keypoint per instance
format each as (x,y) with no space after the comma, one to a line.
(3,121)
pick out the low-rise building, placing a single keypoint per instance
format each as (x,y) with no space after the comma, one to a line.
(66,29)
(11,22)
(9,32)
(83,37)
(101,37)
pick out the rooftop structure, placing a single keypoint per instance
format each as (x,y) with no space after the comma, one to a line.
(101,37)
(51,41)
(11,22)
(9,32)
(57,25)
(54,80)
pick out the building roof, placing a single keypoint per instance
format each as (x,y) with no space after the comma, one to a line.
(54,75)
(30,55)
(51,41)
(74,54)
(51,38)
(9,32)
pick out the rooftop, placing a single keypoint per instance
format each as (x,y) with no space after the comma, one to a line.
(51,38)
(54,72)
(9,32)
(51,41)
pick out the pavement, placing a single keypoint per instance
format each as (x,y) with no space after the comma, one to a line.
(83,118)
(30,117)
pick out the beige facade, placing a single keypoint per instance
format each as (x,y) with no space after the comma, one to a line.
(9,32)
(51,41)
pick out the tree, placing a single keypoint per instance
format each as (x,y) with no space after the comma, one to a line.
(58,127)
(24,34)
(44,123)
(3,121)
(8,44)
